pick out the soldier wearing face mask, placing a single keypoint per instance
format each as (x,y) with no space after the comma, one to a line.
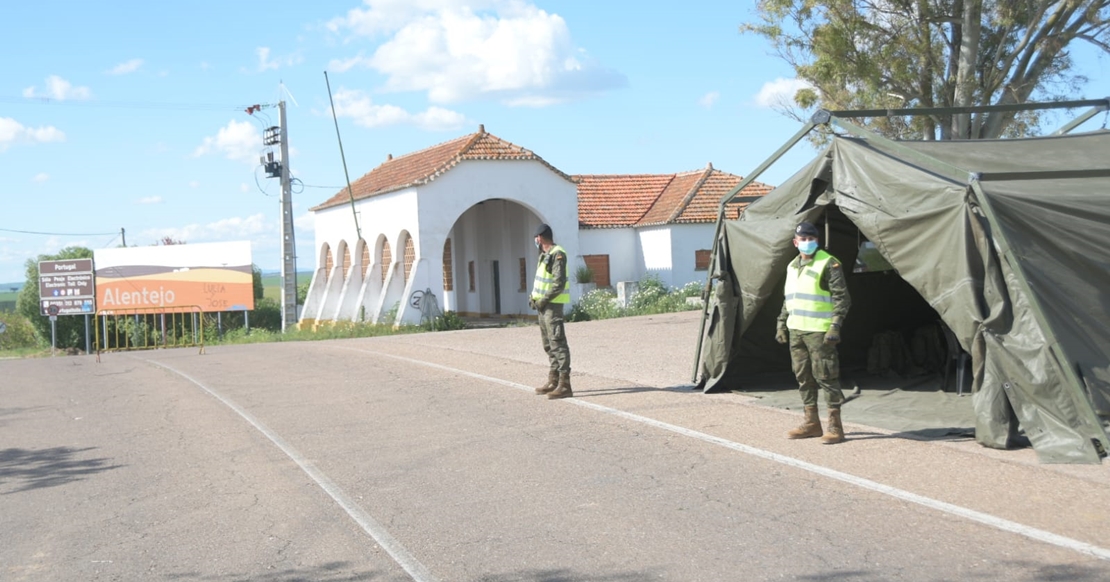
(816,303)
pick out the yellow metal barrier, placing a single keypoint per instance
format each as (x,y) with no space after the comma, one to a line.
(149,329)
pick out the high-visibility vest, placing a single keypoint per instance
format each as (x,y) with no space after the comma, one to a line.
(810,307)
(545,279)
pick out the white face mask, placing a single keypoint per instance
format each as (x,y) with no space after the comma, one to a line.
(538,244)
(807,247)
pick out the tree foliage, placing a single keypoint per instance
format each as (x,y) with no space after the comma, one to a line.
(889,54)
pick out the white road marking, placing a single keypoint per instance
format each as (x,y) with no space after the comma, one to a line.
(970,514)
(415,569)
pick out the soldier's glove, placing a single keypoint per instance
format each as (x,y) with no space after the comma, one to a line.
(532,304)
(832,337)
(782,335)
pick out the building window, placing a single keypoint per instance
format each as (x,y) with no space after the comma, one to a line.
(523,275)
(410,257)
(386,260)
(470,273)
(599,266)
(701,260)
(448,272)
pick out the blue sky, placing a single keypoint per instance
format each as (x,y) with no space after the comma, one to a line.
(131,114)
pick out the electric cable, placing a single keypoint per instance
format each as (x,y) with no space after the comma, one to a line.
(57,233)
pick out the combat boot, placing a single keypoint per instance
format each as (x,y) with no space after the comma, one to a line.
(562,390)
(810,427)
(552,382)
(836,430)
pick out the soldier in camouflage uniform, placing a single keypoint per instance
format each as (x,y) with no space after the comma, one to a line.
(816,303)
(550,294)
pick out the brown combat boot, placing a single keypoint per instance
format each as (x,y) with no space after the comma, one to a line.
(810,427)
(836,430)
(562,390)
(552,382)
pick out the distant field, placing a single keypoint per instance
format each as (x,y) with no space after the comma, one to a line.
(271,284)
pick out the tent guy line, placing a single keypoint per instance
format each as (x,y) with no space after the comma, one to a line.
(416,570)
(949,508)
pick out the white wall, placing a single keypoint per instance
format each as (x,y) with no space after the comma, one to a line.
(685,240)
(626,262)
(656,244)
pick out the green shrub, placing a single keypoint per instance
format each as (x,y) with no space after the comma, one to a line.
(597,304)
(19,332)
(446,322)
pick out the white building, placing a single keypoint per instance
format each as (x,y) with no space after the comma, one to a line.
(457,220)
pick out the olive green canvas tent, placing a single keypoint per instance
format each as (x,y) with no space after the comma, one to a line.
(1007,242)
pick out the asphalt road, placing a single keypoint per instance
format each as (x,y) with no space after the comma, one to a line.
(427,457)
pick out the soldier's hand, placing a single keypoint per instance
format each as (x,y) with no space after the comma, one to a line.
(832,337)
(541,304)
(782,335)
(532,304)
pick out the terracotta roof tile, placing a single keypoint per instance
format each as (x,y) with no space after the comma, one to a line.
(614,200)
(423,166)
(701,204)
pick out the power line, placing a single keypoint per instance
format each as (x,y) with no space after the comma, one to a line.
(59,233)
(125,104)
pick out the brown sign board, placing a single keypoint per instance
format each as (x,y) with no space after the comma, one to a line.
(66,287)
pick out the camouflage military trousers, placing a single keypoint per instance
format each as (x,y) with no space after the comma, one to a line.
(816,363)
(555,337)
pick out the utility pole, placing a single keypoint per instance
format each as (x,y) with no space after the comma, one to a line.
(288,242)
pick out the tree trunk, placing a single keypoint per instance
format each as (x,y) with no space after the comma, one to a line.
(972,26)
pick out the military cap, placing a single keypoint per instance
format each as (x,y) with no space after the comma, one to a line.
(805,229)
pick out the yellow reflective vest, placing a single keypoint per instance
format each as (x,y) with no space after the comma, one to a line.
(810,306)
(545,279)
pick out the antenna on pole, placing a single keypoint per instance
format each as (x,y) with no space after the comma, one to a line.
(285,90)
(350,192)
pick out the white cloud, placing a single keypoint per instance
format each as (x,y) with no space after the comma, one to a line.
(779,93)
(265,63)
(235,228)
(709,99)
(238,140)
(40,177)
(358,106)
(13,132)
(126,67)
(58,89)
(194,184)
(244,188)
(149,200)
(508,50)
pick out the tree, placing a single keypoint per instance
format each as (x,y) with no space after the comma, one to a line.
(69,330)
(888,54)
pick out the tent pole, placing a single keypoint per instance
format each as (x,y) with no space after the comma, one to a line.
(1059,358)
(821,117)
(977,109)
(1083,118)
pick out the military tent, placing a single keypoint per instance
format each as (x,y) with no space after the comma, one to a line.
(1007,242)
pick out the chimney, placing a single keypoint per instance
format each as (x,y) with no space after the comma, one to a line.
(481,128)
(709,166)
(388,157)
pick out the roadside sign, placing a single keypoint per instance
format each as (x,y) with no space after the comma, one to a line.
(3,327)
(67,287)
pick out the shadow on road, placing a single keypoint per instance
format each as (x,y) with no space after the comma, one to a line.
(26,469)
(330,572)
